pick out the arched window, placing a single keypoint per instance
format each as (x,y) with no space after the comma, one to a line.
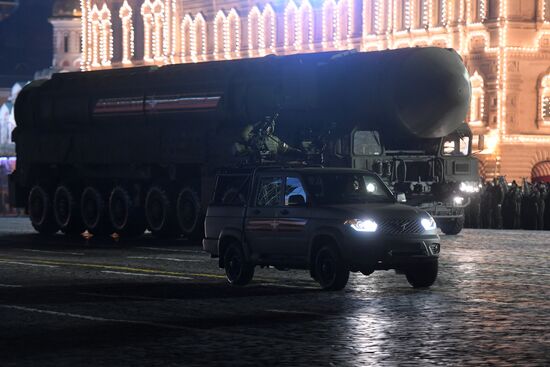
(545,99)
(125,15)
(304,29)
(199,38)
(404,18)
(232,44)
(158,39)
(329,23)
(186,38)
(440,12)
(478,99)
(477,10)
(106,37)
(343,23)
(148,21)
(268,29)
(255,36)
(219,34)
(95,36)
(153,24)
(421,14)
(291,12)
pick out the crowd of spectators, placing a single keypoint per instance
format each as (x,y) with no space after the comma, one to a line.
(502,205)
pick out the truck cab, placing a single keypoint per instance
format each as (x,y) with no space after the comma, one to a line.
(436,175)
(328,220)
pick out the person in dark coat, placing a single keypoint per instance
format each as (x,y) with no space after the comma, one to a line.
(528,207)
(486,207)
(547,208)
(496,204)
(541,204)
(509,209)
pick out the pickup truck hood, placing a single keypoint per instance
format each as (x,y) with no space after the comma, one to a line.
(374,211)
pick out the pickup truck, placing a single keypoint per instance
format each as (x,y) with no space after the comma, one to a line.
(328,220)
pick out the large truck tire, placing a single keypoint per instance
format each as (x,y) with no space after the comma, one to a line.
(127,218)
(189,213)
(452,226)
(422,275)
(66,211)
(40,211)
(95,213)
(160,212)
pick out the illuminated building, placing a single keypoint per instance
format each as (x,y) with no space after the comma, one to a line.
(505,45)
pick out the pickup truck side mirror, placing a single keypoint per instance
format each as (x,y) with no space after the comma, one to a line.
(296,200)
(401,197)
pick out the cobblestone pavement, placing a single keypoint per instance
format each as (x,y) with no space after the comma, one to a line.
(145,302)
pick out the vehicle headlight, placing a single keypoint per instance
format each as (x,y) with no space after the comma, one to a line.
(363,225)
(428,223)
(469,187)
(458,200)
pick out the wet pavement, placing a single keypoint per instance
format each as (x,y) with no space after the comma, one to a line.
(71,302)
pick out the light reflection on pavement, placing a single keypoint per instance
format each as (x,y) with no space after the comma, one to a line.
(68,302)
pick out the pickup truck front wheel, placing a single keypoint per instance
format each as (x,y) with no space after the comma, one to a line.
(238,270)
(330,270)
(422,276)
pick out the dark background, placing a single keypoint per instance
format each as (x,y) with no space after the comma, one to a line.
(25,41)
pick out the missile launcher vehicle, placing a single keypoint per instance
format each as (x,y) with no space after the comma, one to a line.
(126,150)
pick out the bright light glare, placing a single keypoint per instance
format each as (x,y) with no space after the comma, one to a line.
(458,200)
(371,187)
(428,223)
(365,225)
(469,187)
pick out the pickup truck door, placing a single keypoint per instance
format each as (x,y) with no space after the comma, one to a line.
(260,224)
(292,220)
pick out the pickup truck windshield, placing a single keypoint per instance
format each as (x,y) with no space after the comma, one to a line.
(347,188)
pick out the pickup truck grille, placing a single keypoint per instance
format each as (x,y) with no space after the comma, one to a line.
(400,226)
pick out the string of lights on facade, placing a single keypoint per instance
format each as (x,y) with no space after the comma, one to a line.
(487,33)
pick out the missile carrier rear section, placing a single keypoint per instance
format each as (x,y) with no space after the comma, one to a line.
(129,149)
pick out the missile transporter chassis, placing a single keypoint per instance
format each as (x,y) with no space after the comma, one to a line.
(123,150)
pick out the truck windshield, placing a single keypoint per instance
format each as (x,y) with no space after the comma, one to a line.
(455,145)
(347,188)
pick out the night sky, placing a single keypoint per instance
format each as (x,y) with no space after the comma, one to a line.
(25,41)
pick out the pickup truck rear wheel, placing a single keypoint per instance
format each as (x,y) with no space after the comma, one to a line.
(330,270)
(422,275)
(237,269)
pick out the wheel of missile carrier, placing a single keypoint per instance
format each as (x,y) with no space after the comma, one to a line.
(160,212)
(126,217)
(66,211)
(188,207)
(94,212)
(453,226)
(40,211)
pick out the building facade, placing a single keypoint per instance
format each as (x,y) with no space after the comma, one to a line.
(505,45)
